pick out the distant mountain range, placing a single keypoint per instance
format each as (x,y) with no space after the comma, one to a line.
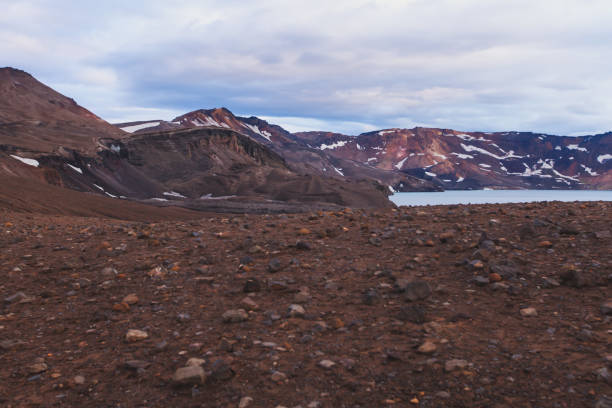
(207,154)
(447,158)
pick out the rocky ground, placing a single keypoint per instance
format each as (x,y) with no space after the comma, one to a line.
(455,306)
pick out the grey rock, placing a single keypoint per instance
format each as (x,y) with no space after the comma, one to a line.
(235,316)
(417,290)
(193,375)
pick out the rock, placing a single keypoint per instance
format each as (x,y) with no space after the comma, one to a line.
(326,364)
(507,272)
(375,241)
(455,364)
(495,277)
(109,272)
(443,394)
(251,285)
(476,264)
(37,368)
(194,361)
(301,297)
(11,344)
(574,278)
(606,307)
(235,316)
(275,265)
(604,402)
(499,286)
(370,297)
(545,244)
(604,374)
(414,314)
(304,231)
(138,365)
(303,245)
(16,298)
(221,371)
(245,402)
(249,303)
(193,375)
(417,290)
(130,299)
(428,347)
(277,376)
(296,311)
(79,380)
(480,281)
(529,312)
(550,283)
(133,335)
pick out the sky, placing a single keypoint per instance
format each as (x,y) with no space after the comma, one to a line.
(348,66)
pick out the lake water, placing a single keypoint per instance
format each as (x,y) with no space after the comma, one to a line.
(498,196)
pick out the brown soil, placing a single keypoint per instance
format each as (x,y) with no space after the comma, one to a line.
(63,340)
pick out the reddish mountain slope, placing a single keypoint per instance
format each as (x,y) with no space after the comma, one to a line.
(34,117)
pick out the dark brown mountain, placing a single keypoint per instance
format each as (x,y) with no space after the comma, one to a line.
(299,155)
(47,137)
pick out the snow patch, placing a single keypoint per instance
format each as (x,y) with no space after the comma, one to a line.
(510,154)
(463,156)
(484,165)
(159,199)
(78,170)
(135,128)
(262,133)
(460,179)
(602,158)
(30,162)
(589,170)
(576,147)
(339,171)
(401,163)
(443,157)
(174,194)
(431,174)
(98,187)
(336,145)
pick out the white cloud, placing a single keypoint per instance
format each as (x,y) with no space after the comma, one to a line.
(467,64)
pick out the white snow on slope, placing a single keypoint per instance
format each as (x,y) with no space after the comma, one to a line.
(576,147)
(334,145)
(443,157)
(135,128)
(463,156)
(385,132)
(98,187)
(510,154)
(484,165)
(460,179)
(339,171)
(604,157)
(78,170)
(589,170)
(401,163)
(431,174)
(262,133)
(174,194)
(30,162)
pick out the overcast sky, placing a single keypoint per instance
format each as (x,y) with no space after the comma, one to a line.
(343,65)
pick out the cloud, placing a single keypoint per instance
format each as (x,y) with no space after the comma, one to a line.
(348,64)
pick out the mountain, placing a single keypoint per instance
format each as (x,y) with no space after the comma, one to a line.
(445,158)
(46,137)
(298,154)
(36,118)
(475,160)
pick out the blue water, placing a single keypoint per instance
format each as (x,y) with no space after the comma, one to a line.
(498,196)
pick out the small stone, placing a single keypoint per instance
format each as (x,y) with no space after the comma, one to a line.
(245,402)
(550,283)
(195,362)
(131,299)
(305,246)
(414,314)
(455,364)
(443,394)
(17,297)
(37,368)
(545,244)
(249,303)
(109,272)
(138,365)
(136,335)
(480,281)
(296,311)
(275,265)
(606,307)
(495,277)
(221,371)
(251,285)
(277,376)
(301,297)
(235,316)
(428,347)
(476,264)
(304,231)
(529,312)
(192,375)
(79,380)
(417,290)
(370,297)
(326,364)
(499,286)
